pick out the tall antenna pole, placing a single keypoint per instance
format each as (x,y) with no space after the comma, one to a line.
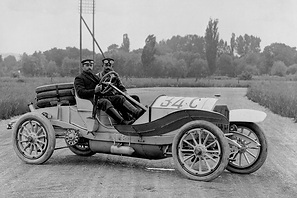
(80,34)
(86,7)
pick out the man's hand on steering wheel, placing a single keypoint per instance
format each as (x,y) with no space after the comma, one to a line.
(98,89)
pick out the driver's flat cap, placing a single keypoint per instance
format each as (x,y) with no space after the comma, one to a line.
(86,61)
(107,59)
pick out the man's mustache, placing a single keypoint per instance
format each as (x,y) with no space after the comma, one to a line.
(108,69)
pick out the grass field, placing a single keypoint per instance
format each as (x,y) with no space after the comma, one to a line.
(16,94)
(279,95)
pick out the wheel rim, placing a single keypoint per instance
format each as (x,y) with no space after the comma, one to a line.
(32,139)
(82,147)
(250,151)
(199,152)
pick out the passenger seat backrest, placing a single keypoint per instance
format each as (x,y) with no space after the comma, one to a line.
(83,104)
(86,105)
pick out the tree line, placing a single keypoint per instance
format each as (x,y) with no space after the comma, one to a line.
(177,57)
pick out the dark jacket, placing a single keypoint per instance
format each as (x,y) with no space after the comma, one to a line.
(85,84)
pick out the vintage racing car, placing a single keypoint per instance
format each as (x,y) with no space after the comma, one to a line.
(203,138)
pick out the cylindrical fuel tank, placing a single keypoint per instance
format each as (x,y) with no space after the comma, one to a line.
(121,150)
(134,150)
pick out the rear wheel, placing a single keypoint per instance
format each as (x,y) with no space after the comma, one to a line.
(33,138)
(82,148)
(253,153)
(200,151)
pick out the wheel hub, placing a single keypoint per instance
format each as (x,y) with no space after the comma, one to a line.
(243,146)
(242,149)
(199,150)
(32,138)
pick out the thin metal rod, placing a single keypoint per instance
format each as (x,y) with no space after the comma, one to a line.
(61,147)
(93,36)
(80,36)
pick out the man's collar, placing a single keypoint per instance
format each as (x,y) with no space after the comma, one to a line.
(91,76)
(105,71)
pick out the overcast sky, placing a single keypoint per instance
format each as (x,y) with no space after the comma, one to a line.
(39,25)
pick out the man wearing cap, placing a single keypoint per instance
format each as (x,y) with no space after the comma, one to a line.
(124,106)
(86,87)
(107,66)
(86,82)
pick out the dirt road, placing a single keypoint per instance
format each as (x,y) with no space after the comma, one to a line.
(68,175)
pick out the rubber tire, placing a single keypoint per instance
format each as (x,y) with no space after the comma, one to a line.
(53,87)
(51,138)
(47,102)
(53,94)
(263,152)
(221,139)
(78,151)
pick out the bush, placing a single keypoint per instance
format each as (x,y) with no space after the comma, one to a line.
(292,69)
(245,75)
(292,77)
(252,69)
(278,69)
(14,74)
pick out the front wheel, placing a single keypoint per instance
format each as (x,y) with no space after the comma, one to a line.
(33,138)
(200,151)
(253,153)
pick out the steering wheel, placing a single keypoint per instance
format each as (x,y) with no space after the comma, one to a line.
(108,84)
(106,80)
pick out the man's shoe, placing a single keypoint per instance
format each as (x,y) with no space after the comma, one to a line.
(136,112)
(128,122)
(139,113)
